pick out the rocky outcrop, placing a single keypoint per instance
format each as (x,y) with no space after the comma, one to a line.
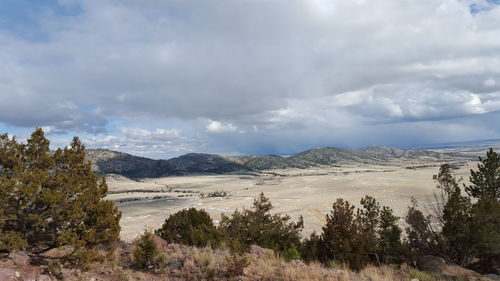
(59,252)
(451,271)
(260,252)
(19,258)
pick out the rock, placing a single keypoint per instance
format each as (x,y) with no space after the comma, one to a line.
(188,262)
(440,266)
(414,279)
(30,276)
(66,273)
(7,274)
(247,271)
(173,247)
(297,263)
(174,264)
(260,252)
(44,277)
(35,276)
(60,252)
(19,258)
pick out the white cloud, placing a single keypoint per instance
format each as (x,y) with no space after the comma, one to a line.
(158,134)
(158,143)
(490,83)
(269,68)
(219,127)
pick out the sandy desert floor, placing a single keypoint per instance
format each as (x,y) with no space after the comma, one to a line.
(147,203)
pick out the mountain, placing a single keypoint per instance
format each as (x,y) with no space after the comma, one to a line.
(113,162)
(205,163)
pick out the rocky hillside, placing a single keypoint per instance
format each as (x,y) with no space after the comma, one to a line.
(184,263)
(112,162)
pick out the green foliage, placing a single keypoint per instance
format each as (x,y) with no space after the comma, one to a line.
(486,212)
(82,258)
(390,248)
(422,276)
(486,180)
(220,193)
(11,241)
(49,199)
(486,234)
(292,253)
(463,232)
(452,213)
(189,227)
(54,269)
(343,236)
(258,226)
(146,253)
(457,229)
(313,248)
(235,264)
(420,237)
(368,218)
(357,237)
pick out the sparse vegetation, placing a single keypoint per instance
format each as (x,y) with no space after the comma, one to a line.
(220,193)
(292,253)
(258,226)
(49,199)
(356,238)
(146,254)
(462,231)
(52,199)
(190,227)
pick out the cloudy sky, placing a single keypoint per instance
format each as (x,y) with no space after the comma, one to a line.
(160,78)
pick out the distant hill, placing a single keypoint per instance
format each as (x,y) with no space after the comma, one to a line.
(112,162)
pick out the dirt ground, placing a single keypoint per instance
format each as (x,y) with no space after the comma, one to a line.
(309,193)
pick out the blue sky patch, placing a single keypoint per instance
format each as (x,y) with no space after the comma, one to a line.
(24,18)
(483,6)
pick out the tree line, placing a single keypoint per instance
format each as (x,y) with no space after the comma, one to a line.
(52,198)
(461,227)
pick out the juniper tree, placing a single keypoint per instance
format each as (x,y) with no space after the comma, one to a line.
(27,179)
(368,217)
(452,212)
(146,254)
(457,228)
(50,199)
(486,234)
(260,227)
(91,219)
(189,227)
(390,247)
(313,248)
(342,236)
(420,236)
(486,180)
(10,166)
(485,186)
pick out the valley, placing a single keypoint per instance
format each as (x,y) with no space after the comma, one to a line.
(309,192)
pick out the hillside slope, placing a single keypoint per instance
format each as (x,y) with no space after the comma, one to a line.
(112,162)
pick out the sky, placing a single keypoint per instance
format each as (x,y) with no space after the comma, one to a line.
(160,78)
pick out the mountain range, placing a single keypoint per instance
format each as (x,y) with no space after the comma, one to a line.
(113,162)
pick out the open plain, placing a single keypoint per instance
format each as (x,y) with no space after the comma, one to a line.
(146,203)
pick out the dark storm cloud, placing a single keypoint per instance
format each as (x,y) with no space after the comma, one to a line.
(259,70)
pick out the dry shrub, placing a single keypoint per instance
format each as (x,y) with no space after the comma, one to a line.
(235,264)
(274,268)
(423,276)
(383,273)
